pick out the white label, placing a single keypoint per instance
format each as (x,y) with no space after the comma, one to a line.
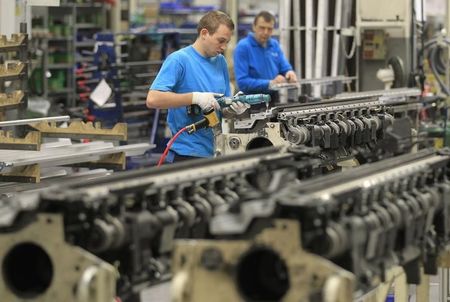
(101,93)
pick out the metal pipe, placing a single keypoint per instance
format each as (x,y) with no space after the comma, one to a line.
(284,24)
(320,46)
(336,40)
(62,118)
(297,37)
(309,40)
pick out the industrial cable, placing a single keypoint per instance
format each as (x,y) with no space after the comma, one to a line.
(435,64)
(420,56)
(436,68)
(437,56)
(169,144)
(210,119)
(445,126)
(344,50)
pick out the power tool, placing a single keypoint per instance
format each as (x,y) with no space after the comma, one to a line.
(225,101)
(210,118)
(251,99)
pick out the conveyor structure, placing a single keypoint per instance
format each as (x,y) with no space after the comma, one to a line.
(325,239)
(128,219)
(262,225)
(378,121)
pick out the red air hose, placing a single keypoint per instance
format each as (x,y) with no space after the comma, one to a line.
(169,144)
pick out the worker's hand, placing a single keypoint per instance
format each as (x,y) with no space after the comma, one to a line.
(277,80)
(239,108)
(205,100)
(291,77)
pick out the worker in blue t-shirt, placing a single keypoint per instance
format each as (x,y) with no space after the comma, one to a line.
(259,61)
(193,76)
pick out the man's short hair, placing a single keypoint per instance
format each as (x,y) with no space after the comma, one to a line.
(268,17)
(212,20)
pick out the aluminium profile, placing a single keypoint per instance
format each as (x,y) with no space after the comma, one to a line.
(62,118)
(67,155)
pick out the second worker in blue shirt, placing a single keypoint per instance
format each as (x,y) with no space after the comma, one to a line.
(259,61)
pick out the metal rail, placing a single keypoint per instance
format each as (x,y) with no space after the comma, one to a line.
(66,154)
(62,118)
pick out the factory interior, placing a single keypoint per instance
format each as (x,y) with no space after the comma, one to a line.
(224,150)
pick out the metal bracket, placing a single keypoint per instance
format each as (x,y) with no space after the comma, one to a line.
(71,266)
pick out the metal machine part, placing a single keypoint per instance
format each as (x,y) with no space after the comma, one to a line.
(394,92)
(231,143)
(362,222)
(271,266)
(366,220)
(131,219)
(339,125)
(37,263)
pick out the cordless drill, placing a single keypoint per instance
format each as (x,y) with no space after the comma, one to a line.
(225,101)
(251,99)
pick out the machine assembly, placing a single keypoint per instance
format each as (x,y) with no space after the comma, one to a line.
(262,225)
(337,126)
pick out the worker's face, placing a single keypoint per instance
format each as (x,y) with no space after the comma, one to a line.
(263,30)
(216,43)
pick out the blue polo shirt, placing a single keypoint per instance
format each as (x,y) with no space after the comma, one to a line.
(185,71)
(255,65)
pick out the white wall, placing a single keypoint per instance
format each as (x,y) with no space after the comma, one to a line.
(435,7)
(7,17)
(13,12)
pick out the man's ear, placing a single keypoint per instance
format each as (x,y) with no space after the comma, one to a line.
(203,33)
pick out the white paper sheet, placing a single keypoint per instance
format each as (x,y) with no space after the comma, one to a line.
(101,93)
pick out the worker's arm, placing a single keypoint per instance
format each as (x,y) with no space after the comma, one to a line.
(242,72)
(166,99)
(160,94)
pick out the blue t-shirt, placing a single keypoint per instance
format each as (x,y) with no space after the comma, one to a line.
(186,71)
(255,65)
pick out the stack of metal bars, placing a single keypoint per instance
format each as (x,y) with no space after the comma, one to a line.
(311,27)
